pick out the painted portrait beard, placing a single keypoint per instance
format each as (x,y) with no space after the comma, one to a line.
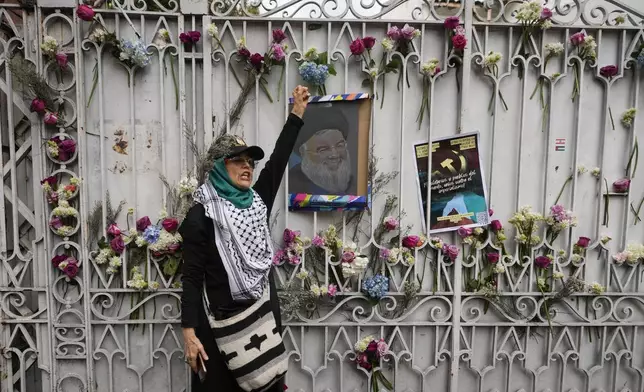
(336,181)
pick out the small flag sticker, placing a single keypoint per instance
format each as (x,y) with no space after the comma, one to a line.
(560,144)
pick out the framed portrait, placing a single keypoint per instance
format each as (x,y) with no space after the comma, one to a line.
(458,195)
(328,169)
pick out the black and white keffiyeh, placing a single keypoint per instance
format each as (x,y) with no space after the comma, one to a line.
(243,241)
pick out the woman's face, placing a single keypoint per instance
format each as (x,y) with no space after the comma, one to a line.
(240,169)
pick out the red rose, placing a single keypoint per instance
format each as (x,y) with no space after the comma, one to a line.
(451,23)
(459,42)
(368,42)
(411,241)
(170,224)
(113,230)
(117,245)
(608,71)
(56,260)
(496,225)
(243,52)
(61,60)
(493,258)
(257,60)
(278,36)
(51,181)
(71,270)
(191,37)
(143,224)
(357,47)
(583,242)
(37,105)
(85,13)
(542,262)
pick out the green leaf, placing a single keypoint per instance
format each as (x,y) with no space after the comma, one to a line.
(393,65)
(332,70)
(102,243)
(366,83)
(323,58)
(385,382)
(171,266)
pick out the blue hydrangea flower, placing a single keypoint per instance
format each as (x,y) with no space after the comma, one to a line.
(376,286)
(640,59)
(314,74)
(151,234)
(134,52)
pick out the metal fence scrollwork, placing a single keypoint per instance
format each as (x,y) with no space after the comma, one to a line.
(105,110)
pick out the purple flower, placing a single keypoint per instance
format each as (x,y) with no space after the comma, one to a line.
(451,251)
(542,262)
(578,38)
(357,47)
(583,242)
(56,223)
(278,52)
(622,185)
(170,224)
(493,258)
(143,224)
(496,225)
(37,105)
(394,33)
(71,270)
(348,257)
(608,71)
(278,36)
(278,256)
(451,23)
(257,60)
(368,42)
(117,245)
(546,14)
(317,241)
(289,236)
(384,253)
(56,260)
(459,42)
(66,149)
(61,60)
(464,231)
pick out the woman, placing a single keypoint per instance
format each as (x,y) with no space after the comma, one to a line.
(226,201)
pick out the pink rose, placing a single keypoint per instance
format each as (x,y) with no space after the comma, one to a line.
(85,12)
(393,33)
(411,241)
(278,52)
(170,224)
(546,13)
(61,60)
(332,290)
(496,225)
(317,241)
(451,251)
(459,42)
(464,231)
(143,224)
(608,71)
(578,38)
(51,118)
(56,260)
(117,245)
(37,106)
(113,230)
(71,270)
(493,258)
(357,47)
(391,223)
(348,257)
(542,262)
(583,242)
(368,42)
(278,36)
(622,185)
(382,347)
(451,23)
(257,60)
(408,32)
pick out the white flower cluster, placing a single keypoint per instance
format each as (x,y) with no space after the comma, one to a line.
(554,49)
(115,265)
(103,255)
(99,35)
(596,288)
(212,30)
(628,116)
(49,46)
(387,44)
(492,58)
(52,148)
(631,255)
(527,221)
(165,241)
(319,291)
(430,68)
(303,274)
(187,186)
(64,210)
(64,231)
(529,11)
(499,268)
(138,280)
(356,267)
(361,345)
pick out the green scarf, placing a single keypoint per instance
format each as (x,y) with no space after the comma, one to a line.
(226,188)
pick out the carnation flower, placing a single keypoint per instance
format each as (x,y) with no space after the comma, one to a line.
(390,223)
(451,22)
(622,185)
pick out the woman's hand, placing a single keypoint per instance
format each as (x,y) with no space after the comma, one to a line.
(300,100)
(192,347)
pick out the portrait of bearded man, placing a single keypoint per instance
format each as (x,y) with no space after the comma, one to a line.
(323,161)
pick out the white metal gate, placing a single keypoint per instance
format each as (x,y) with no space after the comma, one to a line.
(97,333)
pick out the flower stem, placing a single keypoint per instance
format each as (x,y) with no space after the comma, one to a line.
(279,85)
(606,203)
(575,88)
(612,122)
(562,189)
(536,87)
(176,85)
(94,83)
(634,154)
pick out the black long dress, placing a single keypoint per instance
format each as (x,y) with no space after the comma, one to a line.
(202,261)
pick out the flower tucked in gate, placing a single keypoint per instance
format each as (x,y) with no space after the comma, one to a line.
(369,352)
(586,51)
(315,69)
